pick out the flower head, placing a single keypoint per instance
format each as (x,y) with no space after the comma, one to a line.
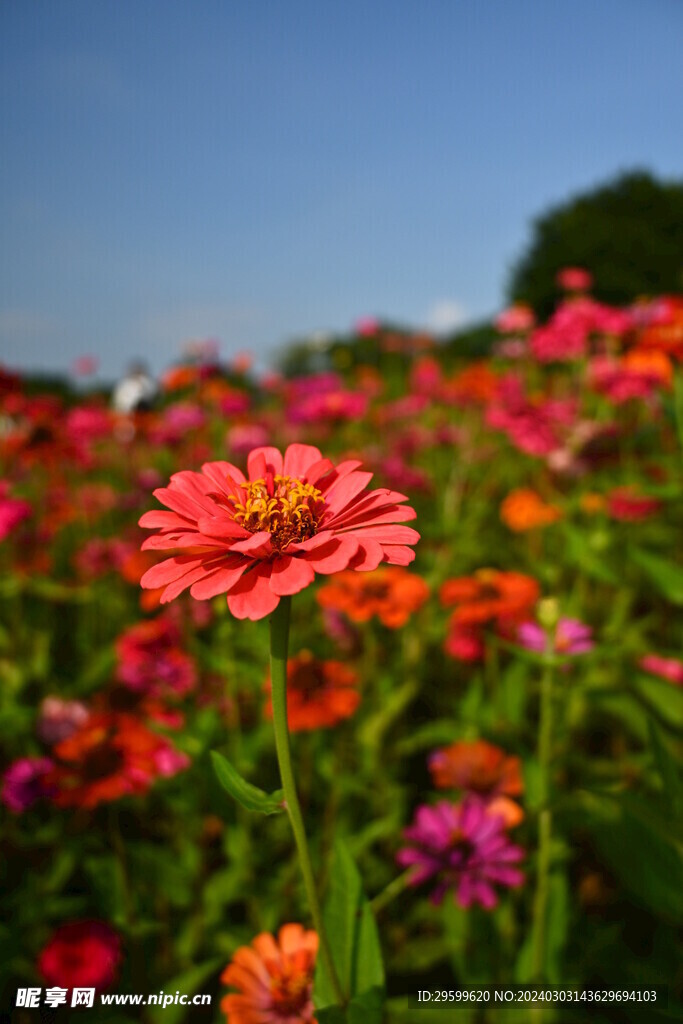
(81,954)
(670,669)
(570,637)
(392,594)
(110,756)
(319,693)
(490,595)
(524,510)
(261,538)
(483,769)
(463,847)
(274,979)
(24,783)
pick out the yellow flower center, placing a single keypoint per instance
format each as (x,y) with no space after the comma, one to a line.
(286,508)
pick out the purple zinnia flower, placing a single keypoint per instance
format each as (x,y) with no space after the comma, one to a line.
(23,783)
(463,847)
(571,637)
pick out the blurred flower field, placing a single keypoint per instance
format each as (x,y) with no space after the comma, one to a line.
(491,733)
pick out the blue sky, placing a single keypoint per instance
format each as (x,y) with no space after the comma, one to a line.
(254,171)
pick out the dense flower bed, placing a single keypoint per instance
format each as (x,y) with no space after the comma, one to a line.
(494,727)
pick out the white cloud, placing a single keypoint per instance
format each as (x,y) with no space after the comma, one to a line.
(446,316)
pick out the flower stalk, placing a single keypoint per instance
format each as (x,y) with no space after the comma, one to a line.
(279,645)
(545,732)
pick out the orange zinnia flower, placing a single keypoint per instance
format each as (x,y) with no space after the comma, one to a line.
(274,979)
(319,693)
(482,768)
(523,510)
(392,594)
(490,595)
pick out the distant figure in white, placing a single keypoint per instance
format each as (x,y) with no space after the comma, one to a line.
(136,391)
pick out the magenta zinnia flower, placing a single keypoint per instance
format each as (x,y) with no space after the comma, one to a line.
(261,538)
(463,847)
(571,637)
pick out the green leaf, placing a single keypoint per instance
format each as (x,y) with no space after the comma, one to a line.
(667,768)
(331,1015)
(356,950)
(667,577)
(648,863)
(587,559)
(251,797)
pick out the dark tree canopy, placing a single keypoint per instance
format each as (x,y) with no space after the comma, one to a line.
(627,233)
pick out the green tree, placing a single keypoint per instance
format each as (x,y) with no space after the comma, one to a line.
(627,233)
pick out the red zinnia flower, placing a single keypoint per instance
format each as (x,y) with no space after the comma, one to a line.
(81,954)
(265,537)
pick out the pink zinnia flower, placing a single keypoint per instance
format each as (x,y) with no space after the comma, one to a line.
(516,319)
(666,668)
(264,537)
(463,847)
(571,637)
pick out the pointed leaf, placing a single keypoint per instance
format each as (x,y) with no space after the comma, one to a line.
(667,577)
(354,939)
(251,797)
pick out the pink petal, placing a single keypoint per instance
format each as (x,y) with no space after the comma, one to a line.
(333,556)
(299,458)
(221,526)
(158,519)
(387,514)
(251,597)
(220,580)
(318,470)
(169,570)
(387,534)
(369,555)
(256,545)
(345,490)
(186,539)
(395,554)
(290,575)
(222,474)
(262,460)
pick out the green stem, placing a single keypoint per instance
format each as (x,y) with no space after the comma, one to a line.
(394,889)
(279,642)
(540,908)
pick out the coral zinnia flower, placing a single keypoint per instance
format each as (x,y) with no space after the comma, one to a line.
(110,756)
(319,693)
(81,954)
(523,510)
(390,594)
(265,537)
(462,847)
(482,768)
(274,978)
(490,594)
